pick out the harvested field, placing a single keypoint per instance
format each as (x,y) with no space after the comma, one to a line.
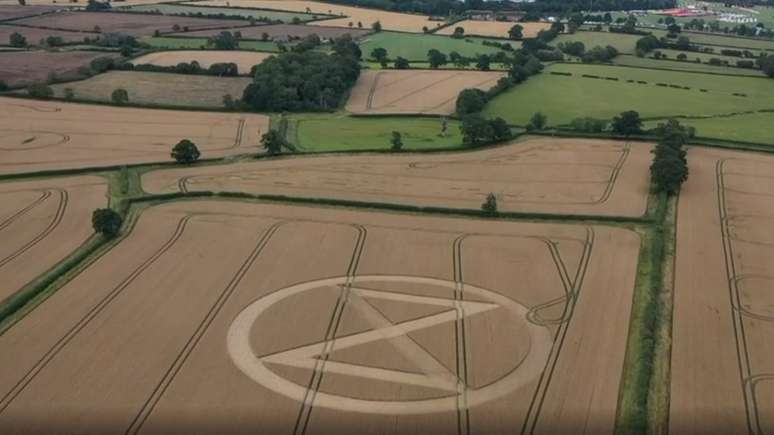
(245,60)
(15,11)
(81,3)
(41,222)
(35,35)
(569,176)
(389,20)
(25,67)
(287,31)
(37,136)
(192,9)
(722,363)
(132,24)
(494,28)
(395,324)
(414,91)
(162,89)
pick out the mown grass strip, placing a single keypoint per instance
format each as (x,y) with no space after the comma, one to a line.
(642,367)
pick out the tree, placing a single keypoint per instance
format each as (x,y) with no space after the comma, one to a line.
(346,46)
(379,54)
(377,26)
(223,41)
(537,122)
(272,142)
(516,32)
(69,93)
(574,22)
(17,40)
(489,206)
(185,152)
(627,123)
(106,221)
(767,64)
(119,97)
(668,174)
(475,130)
(470,101)
(402,63)
(3,86)
(436,58)
(40,90)
(459,33)
(500,129)
(396,141)
(483,62)
(96,6)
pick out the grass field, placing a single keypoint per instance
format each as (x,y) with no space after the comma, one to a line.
(415,46)
(644,62)
(564,98)
(623,43)
(165,89)
(749,127)
(342,133)
(177,9)
(201,43)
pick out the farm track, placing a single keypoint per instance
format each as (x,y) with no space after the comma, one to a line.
(307,405)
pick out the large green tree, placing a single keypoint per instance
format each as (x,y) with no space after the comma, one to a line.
(106,221)
(627,123)
(185,152)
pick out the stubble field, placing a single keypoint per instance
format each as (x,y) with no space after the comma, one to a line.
(573,176)
(245,60)
(395,323)
(132,24)
(25,67)
(160,89)
(389,20)
(37,136)
(407,91)
(498,29)
(286,30)
(722,364)
(41,222)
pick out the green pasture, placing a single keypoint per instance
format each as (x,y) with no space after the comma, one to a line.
(178,9)
(564,98)
(414,47)
(320,133)
(644,62)
(749,127)
(622,42)
(185,43)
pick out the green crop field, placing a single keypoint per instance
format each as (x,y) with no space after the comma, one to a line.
(644,62)
(169,42)
(705,38)
(622,42)
(564,98)
(688,65)
(342,133)
(176,9)
(415,46)
(750,127)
